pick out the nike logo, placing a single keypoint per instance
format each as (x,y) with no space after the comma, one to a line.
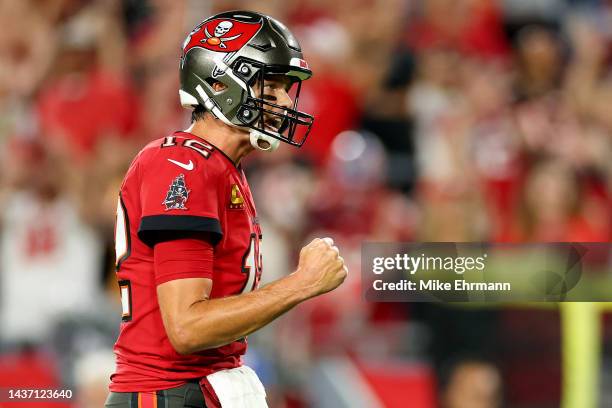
(186,166)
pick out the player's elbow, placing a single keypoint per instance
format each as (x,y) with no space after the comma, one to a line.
(181,339)
(185,341)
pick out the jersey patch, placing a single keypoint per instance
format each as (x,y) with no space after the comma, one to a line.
(177,195)
(236,200)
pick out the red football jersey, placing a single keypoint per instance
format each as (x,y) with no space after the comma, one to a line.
(180,183)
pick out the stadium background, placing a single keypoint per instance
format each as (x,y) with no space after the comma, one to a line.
(436,120)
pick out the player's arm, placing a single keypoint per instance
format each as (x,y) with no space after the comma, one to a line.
(194,322)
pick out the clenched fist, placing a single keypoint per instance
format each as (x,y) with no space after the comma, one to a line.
(320,268)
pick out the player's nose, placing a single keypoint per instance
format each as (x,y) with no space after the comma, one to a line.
(283,99)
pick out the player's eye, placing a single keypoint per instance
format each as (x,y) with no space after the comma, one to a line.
(269,97)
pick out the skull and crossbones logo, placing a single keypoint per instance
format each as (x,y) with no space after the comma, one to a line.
(218,38)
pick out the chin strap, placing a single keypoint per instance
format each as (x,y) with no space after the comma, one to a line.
(257,137)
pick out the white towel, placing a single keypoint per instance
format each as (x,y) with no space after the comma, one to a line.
(238,388)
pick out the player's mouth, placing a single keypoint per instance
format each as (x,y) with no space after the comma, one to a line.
(273,124)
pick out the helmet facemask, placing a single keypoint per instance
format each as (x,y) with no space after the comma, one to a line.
(256,113)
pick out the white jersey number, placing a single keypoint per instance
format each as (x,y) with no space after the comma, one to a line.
(252,264)
(122,234)
(122,252)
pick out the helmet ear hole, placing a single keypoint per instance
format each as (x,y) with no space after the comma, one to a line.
(216,86)
(219,86)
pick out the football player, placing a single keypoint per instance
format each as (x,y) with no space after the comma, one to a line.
(187,235)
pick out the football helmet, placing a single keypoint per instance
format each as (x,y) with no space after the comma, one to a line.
(241,49)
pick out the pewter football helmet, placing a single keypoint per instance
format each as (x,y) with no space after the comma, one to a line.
(239,48)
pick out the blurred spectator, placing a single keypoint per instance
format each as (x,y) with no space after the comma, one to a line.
(555,208)
(330,96)
(47,253)
(539,62)
(86,98)
(471,383)
(473,27)
(27,45)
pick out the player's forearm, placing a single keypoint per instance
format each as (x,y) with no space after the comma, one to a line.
(215,322)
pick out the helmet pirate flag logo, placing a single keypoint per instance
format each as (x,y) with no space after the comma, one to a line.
(222,35)
(177,195)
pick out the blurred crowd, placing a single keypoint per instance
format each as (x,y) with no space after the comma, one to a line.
(436,120)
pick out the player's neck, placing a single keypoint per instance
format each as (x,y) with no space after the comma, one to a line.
(233,142)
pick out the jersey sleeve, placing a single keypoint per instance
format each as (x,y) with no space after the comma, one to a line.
(179,196)
(183,258)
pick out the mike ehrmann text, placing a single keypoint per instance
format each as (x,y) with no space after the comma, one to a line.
(437,285)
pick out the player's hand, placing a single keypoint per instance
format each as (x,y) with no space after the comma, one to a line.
(320,268)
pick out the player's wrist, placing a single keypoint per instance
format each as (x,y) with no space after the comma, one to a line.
(298,289)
